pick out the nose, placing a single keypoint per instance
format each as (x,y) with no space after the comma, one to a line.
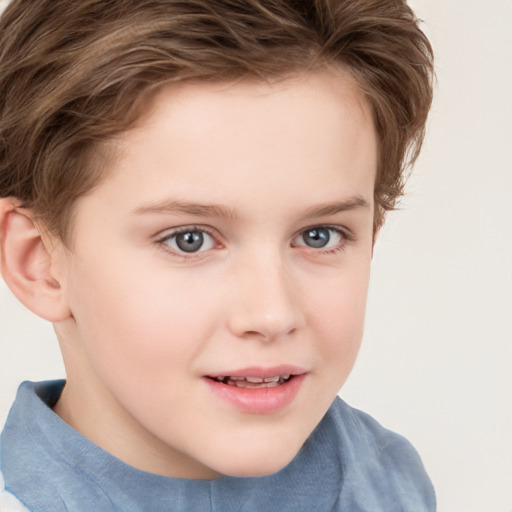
(265,304)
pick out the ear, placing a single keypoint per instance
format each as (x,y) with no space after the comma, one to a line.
(27,265)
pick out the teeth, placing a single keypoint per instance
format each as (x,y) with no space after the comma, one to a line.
(253,382)
(254,379)
(251,385)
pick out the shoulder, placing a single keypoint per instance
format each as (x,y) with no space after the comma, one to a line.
(368,433)
(34,466)
(382,462)
(26,461)
(9,502)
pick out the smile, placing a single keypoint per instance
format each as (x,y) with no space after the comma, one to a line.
(254,382)
(256,390)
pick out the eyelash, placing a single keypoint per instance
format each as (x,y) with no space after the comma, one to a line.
(162,241)
(346,238)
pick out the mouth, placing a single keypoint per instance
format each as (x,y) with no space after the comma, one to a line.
(258,390)
(253,382)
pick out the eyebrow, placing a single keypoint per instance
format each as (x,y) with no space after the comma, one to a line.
(216,210)
(188,208)
(351,203)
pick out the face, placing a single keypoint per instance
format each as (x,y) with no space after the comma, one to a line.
(218,276)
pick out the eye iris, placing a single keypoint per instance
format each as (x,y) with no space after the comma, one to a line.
(191,241)
(317,238)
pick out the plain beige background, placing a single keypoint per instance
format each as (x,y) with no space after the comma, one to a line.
(436,362)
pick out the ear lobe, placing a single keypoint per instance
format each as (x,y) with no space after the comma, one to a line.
(26,264)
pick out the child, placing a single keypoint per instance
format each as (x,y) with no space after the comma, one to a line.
(191,193)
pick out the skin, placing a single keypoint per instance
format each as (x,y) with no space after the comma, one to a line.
(147,322)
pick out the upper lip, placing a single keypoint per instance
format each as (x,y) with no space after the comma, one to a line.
(261,372)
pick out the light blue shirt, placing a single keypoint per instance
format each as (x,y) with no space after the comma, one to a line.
(349,463)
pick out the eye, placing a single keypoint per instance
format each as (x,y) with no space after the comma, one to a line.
(319,238)
(189,240)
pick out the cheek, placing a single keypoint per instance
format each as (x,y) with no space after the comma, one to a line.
(337,316)
(141,320)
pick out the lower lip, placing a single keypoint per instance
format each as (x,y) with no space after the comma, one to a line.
(259,400)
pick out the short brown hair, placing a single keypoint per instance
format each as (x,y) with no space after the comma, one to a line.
(73,73)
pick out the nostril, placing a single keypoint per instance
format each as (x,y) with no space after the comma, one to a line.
(254,334)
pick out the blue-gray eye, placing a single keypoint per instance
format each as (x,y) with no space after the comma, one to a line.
(189,241)
(316,238)
(319,238)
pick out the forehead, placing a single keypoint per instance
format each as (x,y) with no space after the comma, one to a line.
(308,137)
(323,97)
(211,113)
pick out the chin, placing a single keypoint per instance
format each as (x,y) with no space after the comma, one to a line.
(252,465)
